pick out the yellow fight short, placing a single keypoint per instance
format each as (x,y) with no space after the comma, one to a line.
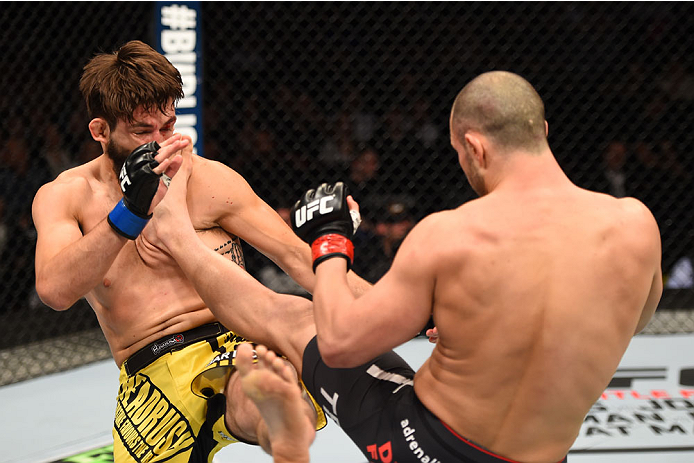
(170,404)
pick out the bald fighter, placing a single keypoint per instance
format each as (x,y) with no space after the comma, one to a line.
(536,289)
(94,240)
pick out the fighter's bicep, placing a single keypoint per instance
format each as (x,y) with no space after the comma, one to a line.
(234,206)
(56,226)
(408,286)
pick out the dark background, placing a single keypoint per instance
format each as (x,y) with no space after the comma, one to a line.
(298,93)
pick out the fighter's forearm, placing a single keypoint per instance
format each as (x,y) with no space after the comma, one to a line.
(357,284)
(302,274)
(78,268)
(336,323)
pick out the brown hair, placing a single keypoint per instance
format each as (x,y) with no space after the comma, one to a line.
(115,84)
(503,106)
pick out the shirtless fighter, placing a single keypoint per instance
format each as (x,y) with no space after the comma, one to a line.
(536,289)
(94,241)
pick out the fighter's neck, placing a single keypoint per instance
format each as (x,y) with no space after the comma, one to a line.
(105,172)
(524,172)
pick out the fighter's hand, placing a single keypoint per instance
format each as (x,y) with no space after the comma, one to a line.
(354,213)
(433,335)
(140,181)
(322,218)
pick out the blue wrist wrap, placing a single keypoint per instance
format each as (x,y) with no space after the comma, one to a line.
(125,222)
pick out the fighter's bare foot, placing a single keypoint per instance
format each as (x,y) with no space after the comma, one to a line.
(272,385)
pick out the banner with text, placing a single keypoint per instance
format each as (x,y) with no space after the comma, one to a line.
(649,404)
(179,38)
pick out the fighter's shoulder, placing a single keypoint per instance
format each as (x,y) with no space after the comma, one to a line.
(637,215)
(629,211)
(71,184)
(436,227)
(208,172)
(628,219)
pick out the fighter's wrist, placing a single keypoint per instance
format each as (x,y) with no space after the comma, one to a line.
(332,245)
(126,222)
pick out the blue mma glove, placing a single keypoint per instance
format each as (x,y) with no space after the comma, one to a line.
(139,184)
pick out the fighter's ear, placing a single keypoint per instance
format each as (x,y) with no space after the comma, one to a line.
(100,130)
(475,146)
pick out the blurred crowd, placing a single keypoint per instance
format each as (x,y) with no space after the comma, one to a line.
(394,159)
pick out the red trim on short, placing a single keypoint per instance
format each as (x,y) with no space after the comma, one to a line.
(475,446)
(471,444)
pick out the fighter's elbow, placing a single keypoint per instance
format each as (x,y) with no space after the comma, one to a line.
(337,354)
(50,295)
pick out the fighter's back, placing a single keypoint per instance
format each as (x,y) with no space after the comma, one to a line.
(538,293)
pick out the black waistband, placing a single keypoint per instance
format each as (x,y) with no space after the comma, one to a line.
(464,449)
(156,349)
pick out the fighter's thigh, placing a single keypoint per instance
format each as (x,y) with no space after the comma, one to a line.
(355,397)
(290,330)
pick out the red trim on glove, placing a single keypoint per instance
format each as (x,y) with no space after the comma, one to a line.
(333,244)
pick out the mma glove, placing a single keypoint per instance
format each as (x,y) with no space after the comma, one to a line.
(323,219)
(139,184)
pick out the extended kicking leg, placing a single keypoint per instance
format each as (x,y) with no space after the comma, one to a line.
(272,384)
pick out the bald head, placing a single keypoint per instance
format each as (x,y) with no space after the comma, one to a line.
(504,107)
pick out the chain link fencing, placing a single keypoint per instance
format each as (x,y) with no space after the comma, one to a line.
(296,93)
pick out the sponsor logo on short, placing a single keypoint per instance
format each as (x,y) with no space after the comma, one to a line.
(223,356)
(172,341)
(332,400)
(225,437)
(148,424)
(414,446)
(382,453)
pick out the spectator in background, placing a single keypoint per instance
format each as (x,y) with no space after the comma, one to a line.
(401,153)
(246,134)
(677,82)
(364,121)
(55,154)
(6,290)
(87,151)
(20,178)
(614,174)
(261,164)
(425,130)
(4,231)
(353,125)
(21,175)
(274,277)
(364,181)
(74,131)
(310,122)
(339,148)
(378,246)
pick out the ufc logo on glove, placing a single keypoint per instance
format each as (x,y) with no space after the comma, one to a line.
(124,180)
(322,218)
(306,212)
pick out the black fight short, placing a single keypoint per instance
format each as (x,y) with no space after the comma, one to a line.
(376,406)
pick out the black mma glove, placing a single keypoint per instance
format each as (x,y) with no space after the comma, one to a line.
(139,184)
(322,219)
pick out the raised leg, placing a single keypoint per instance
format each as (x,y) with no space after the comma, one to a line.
(288,420)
